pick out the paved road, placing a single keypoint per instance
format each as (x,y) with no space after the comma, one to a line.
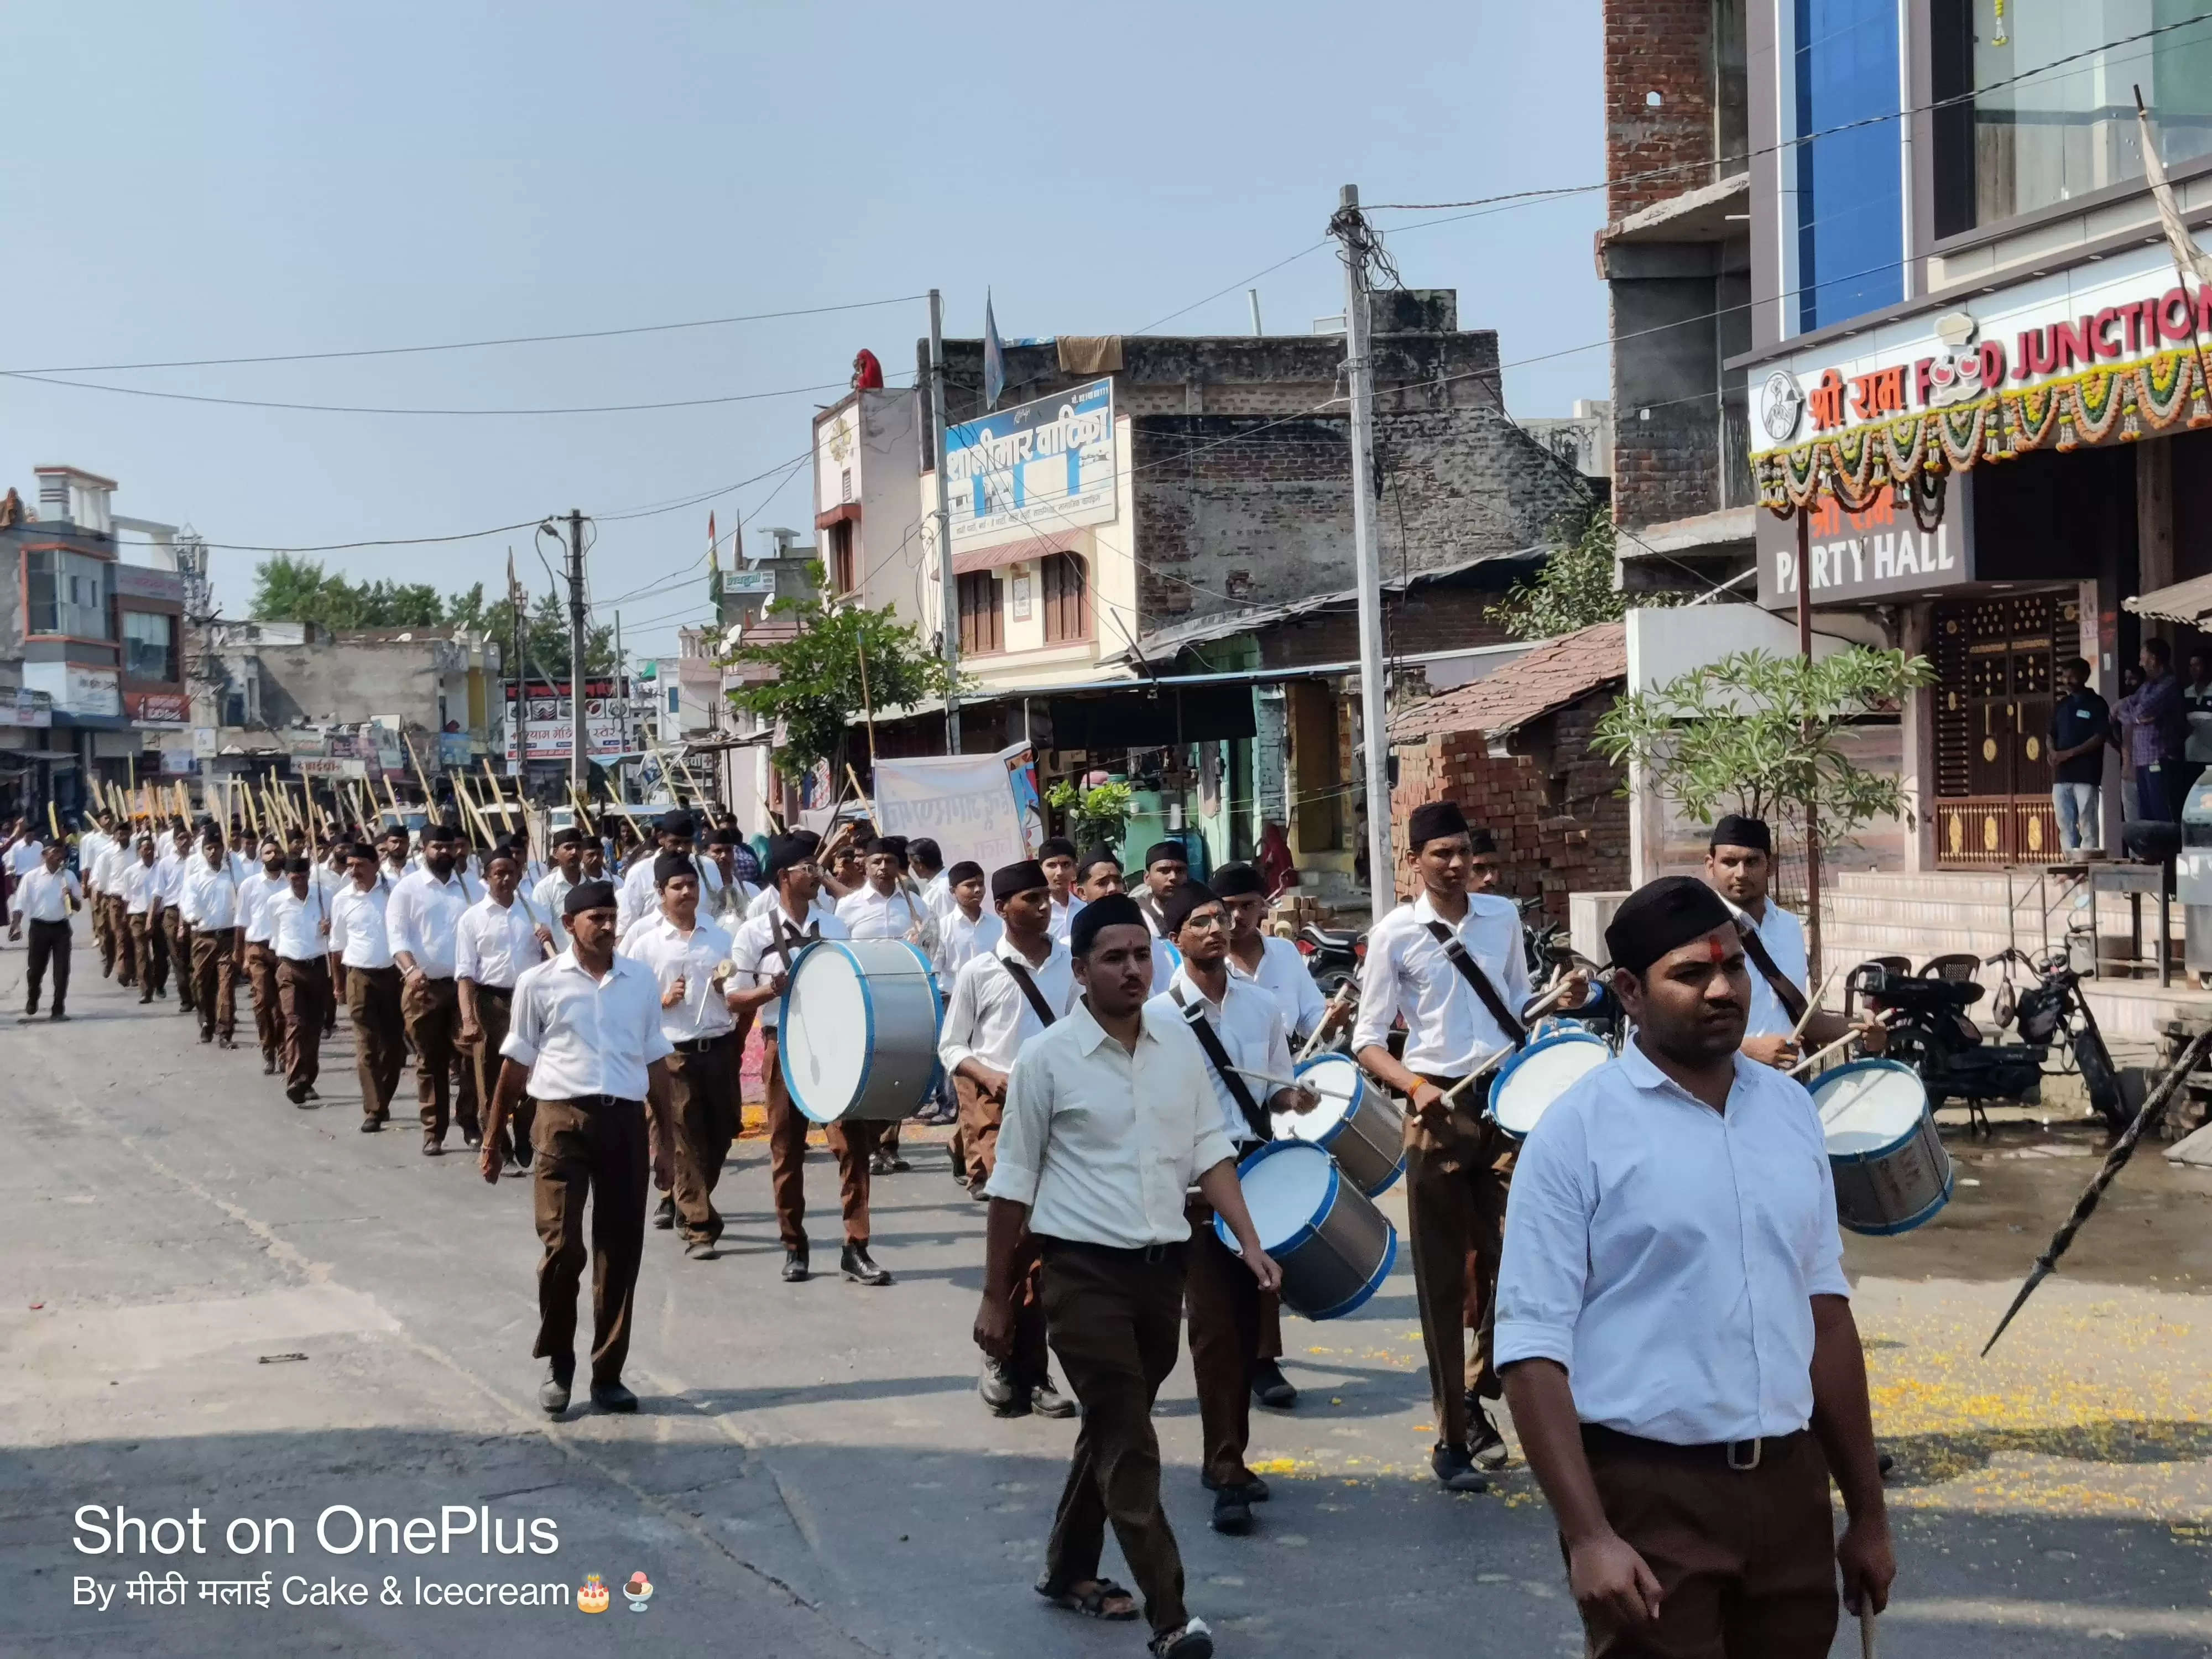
(216,1300)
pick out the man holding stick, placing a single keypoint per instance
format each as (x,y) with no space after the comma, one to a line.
(425,915)
(495,943)
(265,884)
(299,918)
(368,983)
(209,899)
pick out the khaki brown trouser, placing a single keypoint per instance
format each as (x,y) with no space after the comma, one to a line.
(268,1009)
(151,953)
(596,1148)
(1746,1558)
(702,1124)
(303,998)
(1222,1300)
(177,938)
(852,1144)
(1116,1317)
(380,1036)
(496,1017)
(432,1008)
(214,982)
(1457,1182)
(103,934)
(981,1111)
(123,939)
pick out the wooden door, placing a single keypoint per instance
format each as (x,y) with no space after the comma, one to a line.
(1995,662)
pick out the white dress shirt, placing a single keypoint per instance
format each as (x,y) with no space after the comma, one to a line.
(870,914)
(25,856)
(1447,1030)
(254,898)
(1284,974)
(113,866)
(494,944)
(580,1035)
(210,896)
(765,901)
(640,896)
(424,916)
(937,894)
(551,893)
(1063,917)
(1783,936)
(1666,1254)
(140,886)
(296,925)
(960,941)
(1102,1144)
(672,954)
(169,878)
(753,950)
(92,847)
(43,895)
(1250,1028)
(359,938)
(988,1018)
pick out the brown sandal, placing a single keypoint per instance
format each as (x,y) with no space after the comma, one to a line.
(1091,1602)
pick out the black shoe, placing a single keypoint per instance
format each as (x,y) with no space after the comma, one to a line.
(959,1163)
(977,1192)
(1232,1513)
(999,1392)
(312,1093)
(57,1014)
(268,1064)
(295,1094)
(700,1249)
(1455,1469)
(1271,1388)
(1193,1641)
(664,1216)
(225,1043)
(369,1126)
(521,1156)
(553,1392)
(1486,1443)
(207,1036)
(882,1163)
(1049,1401)
(433,1146)
(855,1264)
(470,1139)
(613,1397)
(1883,1463)
(1254,1490)
(794,1267)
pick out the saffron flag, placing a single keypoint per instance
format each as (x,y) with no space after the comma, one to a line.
(995,357)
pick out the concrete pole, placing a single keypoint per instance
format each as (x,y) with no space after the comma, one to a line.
(1359,374)
(579,768)
(948,602)
(1812,813)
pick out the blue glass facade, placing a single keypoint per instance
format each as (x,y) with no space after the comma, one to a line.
(1850,235)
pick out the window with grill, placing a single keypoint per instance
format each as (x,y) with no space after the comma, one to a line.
(149,646)
(981,632)
(1066,598)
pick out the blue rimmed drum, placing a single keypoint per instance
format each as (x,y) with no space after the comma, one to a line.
(1334,1247)
(1357,1123)
(1891,1169)
(1528,1084)
(857,1036)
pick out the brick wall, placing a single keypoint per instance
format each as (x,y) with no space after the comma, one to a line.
(1553,802)
(1664,46)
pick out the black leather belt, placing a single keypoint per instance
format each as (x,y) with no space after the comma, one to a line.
(1742,1455)
(1148,1254)
(702,1045)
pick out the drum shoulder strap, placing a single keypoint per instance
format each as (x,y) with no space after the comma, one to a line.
(1791,998)
(1019,973)
(1471,971)
(1193,1015)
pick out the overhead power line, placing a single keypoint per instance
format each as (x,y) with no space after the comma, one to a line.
(376,408)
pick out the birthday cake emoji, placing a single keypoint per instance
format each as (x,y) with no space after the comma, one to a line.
(639,1590)
(593,1598)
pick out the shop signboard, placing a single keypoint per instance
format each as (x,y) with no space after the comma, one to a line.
(26,707)
(158,707)
(1883,553)
(89,693)
(749,581)
(204,740)
(1046,464)
(179,762)
(547,726)
(329,767)
(455,749)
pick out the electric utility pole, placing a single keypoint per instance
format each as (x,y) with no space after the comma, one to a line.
(1351,230)
(948,602)
(580,766)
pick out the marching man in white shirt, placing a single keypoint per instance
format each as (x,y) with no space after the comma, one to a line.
(1451,964)
(175,864)
(45,896)
(1023,984)
(110,876)
(141,908)
(499,939)
(299,918)
(1241,1032)
(1675,1327)
(1739,867)
(689,960)
(368,982)
(93,847)
(424,916)
(1110,1118)
(551,891)
(965,929)
(209,898)
(255,892)
(586,1045)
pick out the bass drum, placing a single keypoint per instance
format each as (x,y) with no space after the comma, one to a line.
(1891,1169)
(1357,1123)
(857,1034)
(1334,1247)
(1527,1085)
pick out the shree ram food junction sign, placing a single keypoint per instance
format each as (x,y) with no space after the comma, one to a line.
(2104,353)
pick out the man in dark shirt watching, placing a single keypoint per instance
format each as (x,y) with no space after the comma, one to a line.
(2079,727)
(2157,725)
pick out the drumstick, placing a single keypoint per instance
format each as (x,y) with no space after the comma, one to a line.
(1342,997)
(1499,1057)
(1814,1058)
(1811,1007)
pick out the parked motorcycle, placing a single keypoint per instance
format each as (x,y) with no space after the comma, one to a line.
(2054,1013)
(1333,955)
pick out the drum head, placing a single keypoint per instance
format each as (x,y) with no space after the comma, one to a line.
(1867,1105)
(1287,1186)
(826,1034)
(1336,1079)
(1539,1075)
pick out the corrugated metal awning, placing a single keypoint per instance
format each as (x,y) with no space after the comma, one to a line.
(1021,552)
(2188,603)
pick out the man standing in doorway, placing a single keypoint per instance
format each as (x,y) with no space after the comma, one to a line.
(2080,725)
(2157,723)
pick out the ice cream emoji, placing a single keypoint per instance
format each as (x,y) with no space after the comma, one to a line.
(639,1590)
(592,1597)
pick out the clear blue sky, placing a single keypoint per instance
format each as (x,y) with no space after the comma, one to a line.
(188,180)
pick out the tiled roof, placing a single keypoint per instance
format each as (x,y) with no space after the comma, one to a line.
(1550,677)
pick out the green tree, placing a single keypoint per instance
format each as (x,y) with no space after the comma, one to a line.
(818,692)
(1761,734)
(288,588)
(1574,587)
(1094,818)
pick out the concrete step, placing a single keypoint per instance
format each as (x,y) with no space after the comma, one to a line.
(1851,907)
(1961,886)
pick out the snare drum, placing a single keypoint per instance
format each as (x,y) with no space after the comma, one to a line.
(1527,1085)
(1891,1168)
(1357,1123)
(1334,1247)
(857,1034)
